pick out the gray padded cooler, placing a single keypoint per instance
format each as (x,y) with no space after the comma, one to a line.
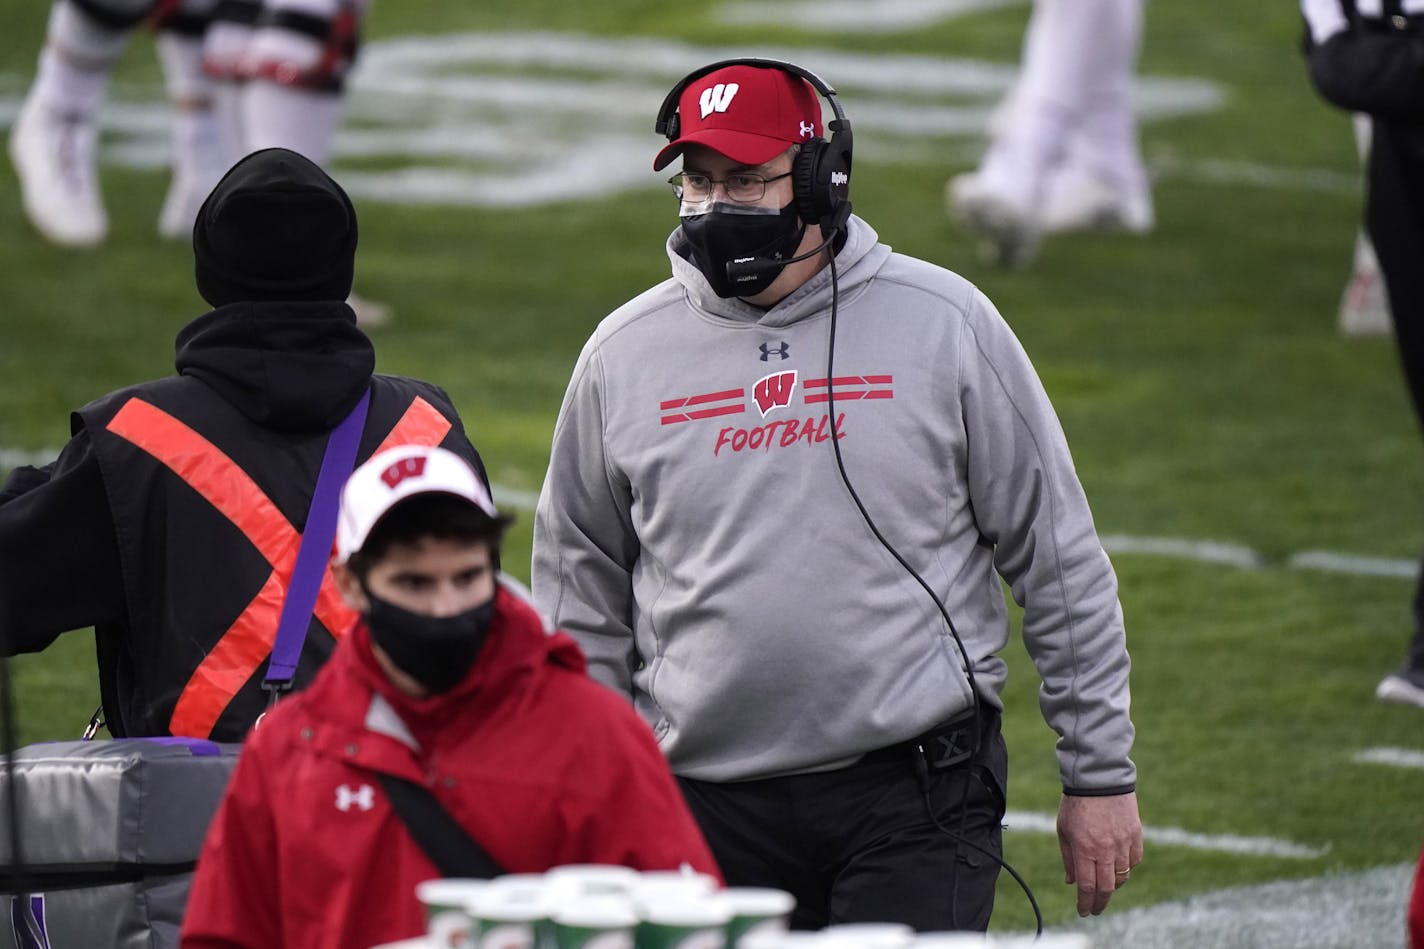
(109,831)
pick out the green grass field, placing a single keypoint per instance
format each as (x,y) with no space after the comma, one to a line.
(1199,372)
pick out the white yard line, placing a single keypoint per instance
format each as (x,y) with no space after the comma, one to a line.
(1331,562)
(1392,757)
(859,16)
(1363,910)
(1030,822)
(531,118)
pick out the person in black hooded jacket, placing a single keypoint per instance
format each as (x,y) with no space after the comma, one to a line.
(171,519)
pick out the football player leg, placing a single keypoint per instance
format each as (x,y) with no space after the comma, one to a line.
(200,150)
(1003,199)
(295,68)
(54,141)
(1102,182)
(1364,307)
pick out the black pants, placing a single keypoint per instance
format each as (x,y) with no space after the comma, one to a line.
(859,844)
(1394,216)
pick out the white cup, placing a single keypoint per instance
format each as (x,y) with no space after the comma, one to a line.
(756,909)
(509,916)
(594,922)
(789,939)
(870,935)
(593,879)
(697,921)
(447,923)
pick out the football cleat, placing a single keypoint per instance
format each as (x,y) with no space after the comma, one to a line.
(187,190)
(1006,221)
(1399,689)
(54,155)
(1076,199)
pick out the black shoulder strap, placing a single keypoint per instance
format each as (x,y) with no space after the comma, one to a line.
(453,851)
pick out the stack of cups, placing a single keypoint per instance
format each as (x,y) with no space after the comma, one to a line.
(600,907)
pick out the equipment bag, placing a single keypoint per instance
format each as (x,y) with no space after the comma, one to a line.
(109,834)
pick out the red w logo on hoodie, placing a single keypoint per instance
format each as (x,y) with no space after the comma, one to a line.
(774,391)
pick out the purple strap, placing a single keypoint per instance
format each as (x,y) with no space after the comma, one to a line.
(199,747)
(315,549)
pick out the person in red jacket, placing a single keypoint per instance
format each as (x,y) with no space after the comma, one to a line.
(449,679)
(1415,914)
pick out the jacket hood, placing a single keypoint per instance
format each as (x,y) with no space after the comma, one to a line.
(857,262)
(292,367)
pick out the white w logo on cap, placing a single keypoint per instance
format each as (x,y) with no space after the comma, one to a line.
(717,98)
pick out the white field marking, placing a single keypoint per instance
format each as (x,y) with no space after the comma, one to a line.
(1180,548)
(1205,551)
(1219,172)
(1363,910)
(1393,757)
(1331,562)
(529,118)
(1176,837)
(18,457)
(859,16)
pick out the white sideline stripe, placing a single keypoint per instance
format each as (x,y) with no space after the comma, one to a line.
(1177,837)
(1205,551)
(16,457)
(862,16)
(1394,757)
(516,498)
(1200,551)
(1331,562)
(1333,911)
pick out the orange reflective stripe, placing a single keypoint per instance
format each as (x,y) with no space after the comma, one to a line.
(331,608)
(210,472)
(230,663)
(205,468)
(422,424)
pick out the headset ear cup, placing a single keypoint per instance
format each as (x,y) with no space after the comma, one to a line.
(674,127)
(805,181)
(834,177)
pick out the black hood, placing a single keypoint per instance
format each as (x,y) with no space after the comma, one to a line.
(292,367)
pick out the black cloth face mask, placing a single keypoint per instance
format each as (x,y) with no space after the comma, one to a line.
(436,651)
(731,232)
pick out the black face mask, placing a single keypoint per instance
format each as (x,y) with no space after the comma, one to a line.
(436,651)
(731,232)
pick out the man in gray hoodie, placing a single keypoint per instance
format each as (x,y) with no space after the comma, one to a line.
(783,488)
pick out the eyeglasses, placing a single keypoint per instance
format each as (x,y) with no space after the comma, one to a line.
(744,187)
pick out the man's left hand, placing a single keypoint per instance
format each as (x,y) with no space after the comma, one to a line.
(1101,841)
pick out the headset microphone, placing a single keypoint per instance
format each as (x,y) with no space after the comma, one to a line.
(746,269)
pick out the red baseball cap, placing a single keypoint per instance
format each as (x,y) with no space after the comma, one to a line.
(751,114)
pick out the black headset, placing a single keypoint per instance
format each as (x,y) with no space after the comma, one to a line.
(820,176)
